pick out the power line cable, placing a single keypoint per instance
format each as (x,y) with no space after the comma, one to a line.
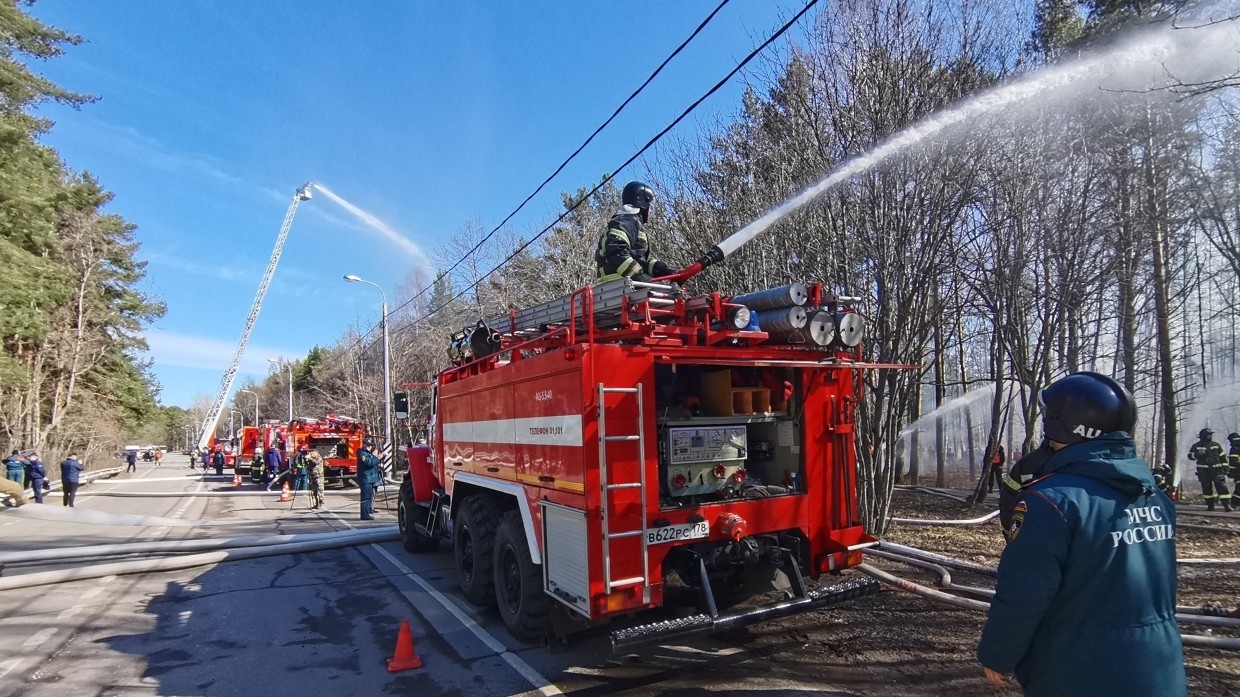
(603,182)
(702,25)
(658,136)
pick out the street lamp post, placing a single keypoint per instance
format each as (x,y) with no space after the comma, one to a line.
(290,385)
(255,404)
(387,363)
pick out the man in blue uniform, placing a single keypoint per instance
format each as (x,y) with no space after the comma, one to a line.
(623,250)
(1085,603)
(70,478)
(368,475)
(37,476)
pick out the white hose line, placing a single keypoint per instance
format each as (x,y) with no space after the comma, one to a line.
(1217,560)
(217,493)
(934,492)
(939,558)
(945,576)
(918,589)
(120,548)
(91,517)
(385,534)
(974,521)
(188,479)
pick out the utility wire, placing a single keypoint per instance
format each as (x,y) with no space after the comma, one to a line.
(560,168)
(657,137)
(598,130)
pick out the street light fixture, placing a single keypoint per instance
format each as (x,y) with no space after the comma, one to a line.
(290,384)
(255,404)
(387,363)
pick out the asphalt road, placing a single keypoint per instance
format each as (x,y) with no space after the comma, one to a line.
(317,623)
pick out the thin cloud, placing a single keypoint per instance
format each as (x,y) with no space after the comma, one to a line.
(129,143)
(190,351)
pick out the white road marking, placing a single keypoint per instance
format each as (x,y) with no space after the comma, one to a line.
(39,637)
(92,592)
(541,685)
(183,617)
(69,612)
(9,666)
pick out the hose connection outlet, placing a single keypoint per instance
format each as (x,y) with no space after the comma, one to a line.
(733,526)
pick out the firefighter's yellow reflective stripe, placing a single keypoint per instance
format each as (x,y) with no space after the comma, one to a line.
(1011,483)
(628,267)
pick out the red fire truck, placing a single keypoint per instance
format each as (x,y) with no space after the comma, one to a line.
(337,438)
(593,454)
(247,446)
(269,433)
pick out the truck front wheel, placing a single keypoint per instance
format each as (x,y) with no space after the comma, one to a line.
(473,542)
(406,512)
(519,583)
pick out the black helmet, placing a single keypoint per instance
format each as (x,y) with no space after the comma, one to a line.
(1205,434)
(368,443)
(1233,437)
(638,195)
(1083,406)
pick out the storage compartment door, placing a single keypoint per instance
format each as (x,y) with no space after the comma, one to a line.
(566,558)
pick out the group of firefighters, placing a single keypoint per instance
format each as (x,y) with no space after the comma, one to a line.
(1213,469)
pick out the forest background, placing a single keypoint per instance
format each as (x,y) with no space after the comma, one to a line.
(1096,233)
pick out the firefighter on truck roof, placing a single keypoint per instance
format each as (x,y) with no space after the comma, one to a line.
(623,250)
(1085,602)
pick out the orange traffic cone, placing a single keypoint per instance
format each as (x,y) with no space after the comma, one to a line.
(236,479)
(284,493)
(405,658)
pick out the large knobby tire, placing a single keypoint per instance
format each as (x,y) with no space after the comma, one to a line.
(473,542)
(519,595)
(406,512)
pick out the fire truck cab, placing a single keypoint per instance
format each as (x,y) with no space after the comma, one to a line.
(609,451)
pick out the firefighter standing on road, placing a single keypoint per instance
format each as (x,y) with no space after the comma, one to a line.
(368,475)
(623,250)
(37,476)
(10,485)
(15,469)
(314,470)
(1233,466)
(1211,469)
(70,478)
(1085,602)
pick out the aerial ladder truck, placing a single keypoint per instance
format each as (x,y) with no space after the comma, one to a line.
(221,396)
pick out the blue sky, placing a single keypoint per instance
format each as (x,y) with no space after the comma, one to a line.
(423,114)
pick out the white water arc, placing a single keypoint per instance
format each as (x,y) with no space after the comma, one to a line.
(377,225)
(1153,59)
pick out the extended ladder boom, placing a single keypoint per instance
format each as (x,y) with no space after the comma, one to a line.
(226,383)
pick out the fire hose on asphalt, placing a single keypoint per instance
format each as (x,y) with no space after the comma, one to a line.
(1200,616)
(233,553)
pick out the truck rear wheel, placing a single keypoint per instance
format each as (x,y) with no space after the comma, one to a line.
(519,582)
(473,544)
(406,512)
